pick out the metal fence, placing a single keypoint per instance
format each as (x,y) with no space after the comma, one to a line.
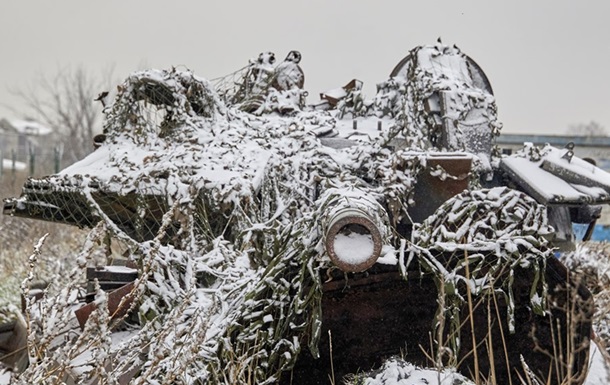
(35,162)
(32,155)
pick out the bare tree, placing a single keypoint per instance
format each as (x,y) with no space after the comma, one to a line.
(592,128)
(66,103)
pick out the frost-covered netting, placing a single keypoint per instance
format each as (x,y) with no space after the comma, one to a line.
(265,86)
(222,212)
(222,197)
(475,242)
(438,95)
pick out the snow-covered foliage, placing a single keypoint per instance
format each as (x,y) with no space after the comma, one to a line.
(232,265)
(591,264)
(475,241)
(396,371)
(221,196)
(16,239)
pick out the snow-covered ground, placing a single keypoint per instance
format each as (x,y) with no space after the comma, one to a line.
(398,372)
(7,164)
(599,369)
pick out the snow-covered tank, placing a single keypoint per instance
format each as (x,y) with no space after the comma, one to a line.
(282,241)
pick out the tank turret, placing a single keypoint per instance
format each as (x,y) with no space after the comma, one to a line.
(281,240)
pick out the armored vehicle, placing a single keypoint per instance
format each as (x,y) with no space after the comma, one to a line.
(268,240)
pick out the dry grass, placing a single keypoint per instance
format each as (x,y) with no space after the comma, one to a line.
(18,236)
(17,239)
(591,264)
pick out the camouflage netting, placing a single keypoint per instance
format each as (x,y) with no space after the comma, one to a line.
(263,87)
(441,99)
(475,242)
(220,211)
(220,198)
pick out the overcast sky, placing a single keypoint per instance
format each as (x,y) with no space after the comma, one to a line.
(548,61)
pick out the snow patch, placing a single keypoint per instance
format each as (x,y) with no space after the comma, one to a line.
(353,248)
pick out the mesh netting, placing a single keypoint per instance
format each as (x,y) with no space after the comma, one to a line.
(220,212)
(475,243)
(263,87)
(219,196)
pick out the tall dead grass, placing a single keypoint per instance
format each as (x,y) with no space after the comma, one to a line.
(17,239)
(591,264)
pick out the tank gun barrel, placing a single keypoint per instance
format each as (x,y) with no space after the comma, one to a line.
(355,230)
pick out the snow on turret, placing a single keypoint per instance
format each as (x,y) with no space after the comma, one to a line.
(288,74)
(251,217)
(443,100)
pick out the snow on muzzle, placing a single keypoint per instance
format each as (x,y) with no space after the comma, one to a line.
(353,240)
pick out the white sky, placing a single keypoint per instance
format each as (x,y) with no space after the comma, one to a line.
(548,61)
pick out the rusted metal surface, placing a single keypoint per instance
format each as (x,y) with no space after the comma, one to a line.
(108,278)
(370,316)
(375,315)
(35,293)
(334,96)
(451,178)
(353,221)
(119,302)
(112,274)
(13,344)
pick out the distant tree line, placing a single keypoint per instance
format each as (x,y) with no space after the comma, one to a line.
(66,102)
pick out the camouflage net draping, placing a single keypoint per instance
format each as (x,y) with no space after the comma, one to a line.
(475,242)
(220,212)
